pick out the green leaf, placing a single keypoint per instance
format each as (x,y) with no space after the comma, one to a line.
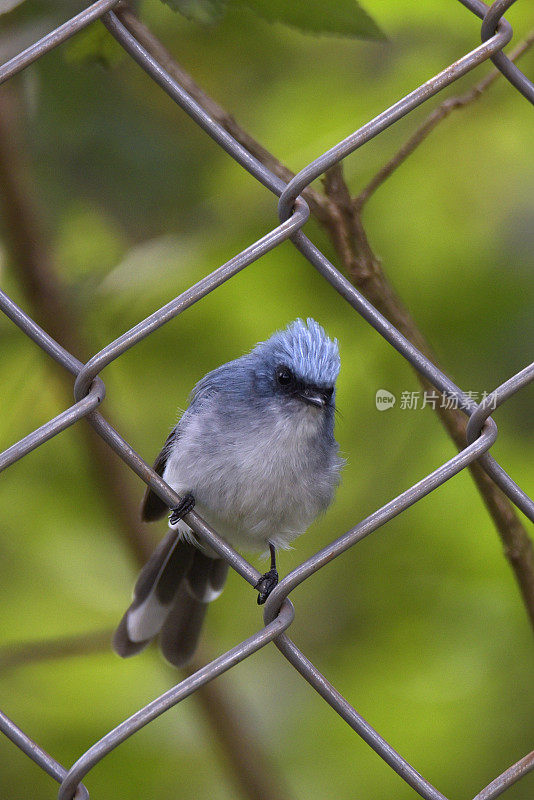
(206,12)
(340,18)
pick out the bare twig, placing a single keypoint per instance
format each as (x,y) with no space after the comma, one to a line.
(339,213)
(365,271)
(432,121)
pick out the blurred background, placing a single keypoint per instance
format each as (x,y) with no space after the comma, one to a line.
(421,625)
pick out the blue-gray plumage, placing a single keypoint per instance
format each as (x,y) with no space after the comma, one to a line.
(255,453)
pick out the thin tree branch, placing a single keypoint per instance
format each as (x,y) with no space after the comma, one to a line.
(18,654)
(318,203)
(249,766)
(253,771)
(29,253)
(339,214)
(365,272)
(432,121)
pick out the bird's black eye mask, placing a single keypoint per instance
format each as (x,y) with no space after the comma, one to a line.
(318,396)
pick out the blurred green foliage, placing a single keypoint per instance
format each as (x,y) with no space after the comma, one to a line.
(420,626)
(345,18)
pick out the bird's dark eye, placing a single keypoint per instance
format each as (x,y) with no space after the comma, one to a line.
(328,392)
(284,376)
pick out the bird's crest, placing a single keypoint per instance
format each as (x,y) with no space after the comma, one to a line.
(305,348)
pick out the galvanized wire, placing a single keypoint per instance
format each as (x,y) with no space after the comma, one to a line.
(89,392)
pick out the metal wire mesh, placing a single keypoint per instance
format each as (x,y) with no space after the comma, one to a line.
(89,392)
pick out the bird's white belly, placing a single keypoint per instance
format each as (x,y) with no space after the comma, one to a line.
(252,488)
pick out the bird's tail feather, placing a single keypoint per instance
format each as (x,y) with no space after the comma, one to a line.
(170,597)
(181,629)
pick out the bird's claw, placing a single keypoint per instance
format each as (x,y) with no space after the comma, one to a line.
(265,585)
(187,505)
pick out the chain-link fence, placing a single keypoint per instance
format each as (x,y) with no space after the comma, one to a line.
(89,389)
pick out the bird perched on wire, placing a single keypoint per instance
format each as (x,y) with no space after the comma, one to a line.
(255,454)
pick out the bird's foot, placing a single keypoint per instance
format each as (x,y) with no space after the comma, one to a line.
(187,505)
(265,585)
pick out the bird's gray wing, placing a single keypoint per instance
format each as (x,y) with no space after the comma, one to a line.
(153,507)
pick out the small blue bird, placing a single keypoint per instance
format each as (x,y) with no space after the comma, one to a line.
(255,454)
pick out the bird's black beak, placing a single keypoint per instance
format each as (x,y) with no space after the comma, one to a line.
(315,397)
